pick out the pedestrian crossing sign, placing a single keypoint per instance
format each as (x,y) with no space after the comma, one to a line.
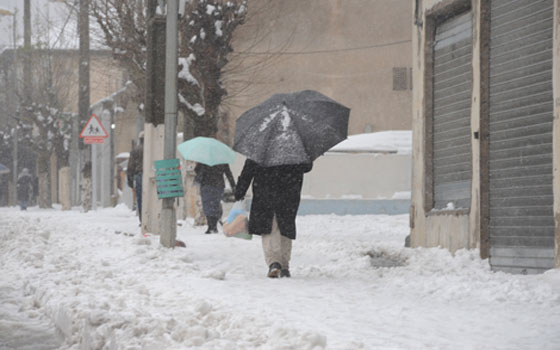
(94,132)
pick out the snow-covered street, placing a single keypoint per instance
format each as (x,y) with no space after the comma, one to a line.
(353,286)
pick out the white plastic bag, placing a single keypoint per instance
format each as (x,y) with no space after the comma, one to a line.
(237,222)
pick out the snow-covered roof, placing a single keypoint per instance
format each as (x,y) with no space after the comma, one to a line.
(123,155)
(394,141)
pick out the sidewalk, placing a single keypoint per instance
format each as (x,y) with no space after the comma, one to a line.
(354,286)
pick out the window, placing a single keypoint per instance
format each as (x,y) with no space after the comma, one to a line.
(400,79)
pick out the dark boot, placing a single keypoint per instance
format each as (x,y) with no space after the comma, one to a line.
(274,270)
(212,224)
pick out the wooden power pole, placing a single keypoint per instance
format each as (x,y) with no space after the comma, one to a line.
(168,214)
(83,99)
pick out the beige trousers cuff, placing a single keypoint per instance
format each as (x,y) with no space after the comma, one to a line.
(276,247)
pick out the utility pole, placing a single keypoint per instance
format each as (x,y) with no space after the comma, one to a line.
(13,107)
(168,215)
(83,101)
(15,132)
(27,51)
(26,72)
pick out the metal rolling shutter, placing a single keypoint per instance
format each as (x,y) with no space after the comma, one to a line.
(452,113)
(521,226)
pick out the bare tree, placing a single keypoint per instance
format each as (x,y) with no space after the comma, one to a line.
(206,30)
(123,24)
(207,33)
(43,123)
(44,127)
(51,125)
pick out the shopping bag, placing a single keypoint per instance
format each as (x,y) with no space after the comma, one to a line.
(237,222)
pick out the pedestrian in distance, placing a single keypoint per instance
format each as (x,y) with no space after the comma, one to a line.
(276,198)
(212,185)
(134,172)
(24,188)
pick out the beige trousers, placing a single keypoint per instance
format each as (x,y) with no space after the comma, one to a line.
(276,247)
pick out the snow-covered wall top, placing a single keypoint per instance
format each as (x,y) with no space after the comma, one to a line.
(395,141)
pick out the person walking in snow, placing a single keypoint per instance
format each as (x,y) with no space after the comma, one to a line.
(24,188)
(134,172)
(212,185)
(276,198)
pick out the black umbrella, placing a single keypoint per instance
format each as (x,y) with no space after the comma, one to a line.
(291,128)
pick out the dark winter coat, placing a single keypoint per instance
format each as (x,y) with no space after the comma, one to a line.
(24,187)
(276,192)
(212,184)
(213,175)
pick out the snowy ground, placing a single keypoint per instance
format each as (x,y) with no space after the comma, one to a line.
(354,286)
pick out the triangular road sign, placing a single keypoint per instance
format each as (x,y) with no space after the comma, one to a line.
(94,129)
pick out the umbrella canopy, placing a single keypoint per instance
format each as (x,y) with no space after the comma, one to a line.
(207,151)
(4,169)
(291,128)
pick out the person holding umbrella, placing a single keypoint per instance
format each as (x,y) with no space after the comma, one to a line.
(212,185)
(281,138)
(212,158)
(276,197)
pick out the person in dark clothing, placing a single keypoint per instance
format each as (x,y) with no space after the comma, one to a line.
(212,184)
(24,188)
(134,172)
(276,198)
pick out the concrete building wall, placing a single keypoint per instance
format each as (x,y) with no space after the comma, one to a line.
(344,49)
(126,117)
(456,229)
(451,229)
(106,77)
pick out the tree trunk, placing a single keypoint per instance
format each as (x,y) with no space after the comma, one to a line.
(43,168)
(64,188)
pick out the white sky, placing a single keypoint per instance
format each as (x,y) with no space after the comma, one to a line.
(49,19)
(40,11)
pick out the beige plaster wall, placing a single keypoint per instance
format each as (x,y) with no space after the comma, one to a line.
(344,49)
(106,77)
(449,229)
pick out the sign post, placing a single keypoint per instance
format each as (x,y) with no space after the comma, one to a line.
(94,133)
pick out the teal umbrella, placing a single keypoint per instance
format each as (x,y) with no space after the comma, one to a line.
(207,151)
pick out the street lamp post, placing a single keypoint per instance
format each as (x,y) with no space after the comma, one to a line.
(14,130)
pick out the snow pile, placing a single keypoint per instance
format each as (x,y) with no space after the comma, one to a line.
(354,286)
(399,142)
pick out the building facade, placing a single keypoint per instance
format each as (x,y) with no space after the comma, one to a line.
(486,130)
(356,52)
(59,68)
